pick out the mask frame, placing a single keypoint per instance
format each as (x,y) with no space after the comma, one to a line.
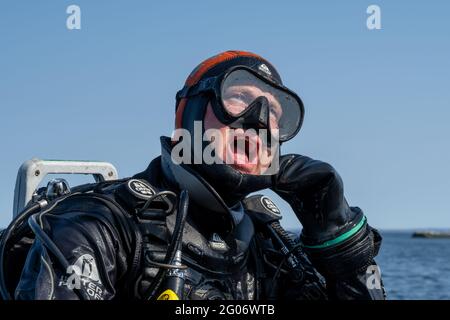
(214,85)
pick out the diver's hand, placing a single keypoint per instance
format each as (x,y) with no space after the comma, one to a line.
(336,237)
(316,194)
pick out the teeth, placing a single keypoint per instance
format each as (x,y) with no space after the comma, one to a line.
(245,150)
(240,150)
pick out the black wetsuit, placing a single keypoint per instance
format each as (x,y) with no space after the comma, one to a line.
(230,253)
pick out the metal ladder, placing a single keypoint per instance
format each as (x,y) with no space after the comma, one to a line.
(33,171)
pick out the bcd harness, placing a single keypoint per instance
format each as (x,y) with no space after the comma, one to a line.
(244,264)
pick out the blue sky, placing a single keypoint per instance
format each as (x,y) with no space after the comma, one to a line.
(377,102)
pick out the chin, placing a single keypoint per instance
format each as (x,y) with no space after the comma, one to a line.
(247,168)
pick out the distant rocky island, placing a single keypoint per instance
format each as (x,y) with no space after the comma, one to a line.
(431,234)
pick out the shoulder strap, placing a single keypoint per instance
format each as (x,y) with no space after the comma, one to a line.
(262,210)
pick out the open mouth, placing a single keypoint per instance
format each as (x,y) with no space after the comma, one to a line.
(244,150)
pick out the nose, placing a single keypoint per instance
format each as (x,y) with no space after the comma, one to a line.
(258,113)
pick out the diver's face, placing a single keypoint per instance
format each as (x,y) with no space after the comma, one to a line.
(237,98)
(244,150)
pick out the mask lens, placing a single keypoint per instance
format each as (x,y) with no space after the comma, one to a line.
(241,87)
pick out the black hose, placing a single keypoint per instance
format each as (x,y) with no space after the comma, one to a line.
(283,234)
(6,235)
(53,248)
(161,195)
(29,215)
(304,271)
(45,239)
(175,243)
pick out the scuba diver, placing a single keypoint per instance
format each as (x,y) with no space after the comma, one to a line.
(186,228)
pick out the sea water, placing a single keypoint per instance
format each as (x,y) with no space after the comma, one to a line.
(414,268)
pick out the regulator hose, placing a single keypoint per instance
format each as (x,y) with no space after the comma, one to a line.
(7,234)
(175,244)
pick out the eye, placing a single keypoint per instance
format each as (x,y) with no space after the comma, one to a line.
(274,123)
(240,97)
(236,102)
(275,111)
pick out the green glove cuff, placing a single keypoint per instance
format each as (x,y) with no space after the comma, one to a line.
(341,238)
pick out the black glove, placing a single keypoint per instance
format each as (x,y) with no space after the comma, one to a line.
(316,194)
(336,237)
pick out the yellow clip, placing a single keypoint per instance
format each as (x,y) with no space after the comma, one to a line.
(168,295)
